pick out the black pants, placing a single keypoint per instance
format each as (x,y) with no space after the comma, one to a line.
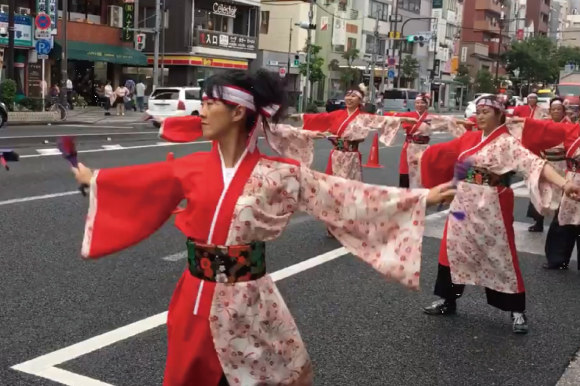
(445,289)
(223,381)
(403,181)
(533,213)
(560,242)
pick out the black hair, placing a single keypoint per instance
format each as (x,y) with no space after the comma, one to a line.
(265,87)
(494,99)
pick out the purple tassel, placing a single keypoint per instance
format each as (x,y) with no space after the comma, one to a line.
(67,147)
(461,170)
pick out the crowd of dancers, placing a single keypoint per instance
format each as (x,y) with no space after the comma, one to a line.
(227,322)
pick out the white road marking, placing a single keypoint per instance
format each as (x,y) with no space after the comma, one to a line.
(124,148)
(48,151)
(97,127)
(35,198)
(111,147)
(176,256)
(84,134)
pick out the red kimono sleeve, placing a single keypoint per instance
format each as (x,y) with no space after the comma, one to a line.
(521,111)
(181,129)
(539,135)
(127,205)
(321,122)
(438,163)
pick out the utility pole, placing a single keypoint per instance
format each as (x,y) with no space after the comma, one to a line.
(374,58)
(163,31)
(391,50)
(64,55)
(434,37)
(289,52)
(308,58)
(156,42)
(501,22)
(10,58)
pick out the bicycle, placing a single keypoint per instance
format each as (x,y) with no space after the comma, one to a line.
(55,105)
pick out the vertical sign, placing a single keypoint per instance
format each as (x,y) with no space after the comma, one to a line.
(52,6)
(436,14)
(128,20)
(463,54)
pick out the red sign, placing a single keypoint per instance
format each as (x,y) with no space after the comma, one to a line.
(42,21)
(282,72)
(520,34)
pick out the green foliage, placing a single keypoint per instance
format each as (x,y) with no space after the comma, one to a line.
(484,82)
(348,76)
(463,75)
(539,59)
(8,93)
(32,104)
(409,67)
(320,103)
(316,63)
(312,108)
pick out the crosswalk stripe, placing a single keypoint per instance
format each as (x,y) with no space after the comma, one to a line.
(109,147)
(48,151)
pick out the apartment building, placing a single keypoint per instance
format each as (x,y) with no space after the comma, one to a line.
(518,26)
(571,34)
(538,12)
(557,20)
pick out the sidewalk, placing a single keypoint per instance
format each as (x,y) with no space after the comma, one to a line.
(87,116)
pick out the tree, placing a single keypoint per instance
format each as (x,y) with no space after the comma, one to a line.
(316,63)
(463,75)
(409,67)
(349,76)
(538,59)
(484,82)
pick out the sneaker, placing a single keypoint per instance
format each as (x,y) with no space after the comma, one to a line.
(537,227)
(520,322)
(441,307)
(562,266)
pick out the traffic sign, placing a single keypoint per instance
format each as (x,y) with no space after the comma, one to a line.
(42,34)
(43,47)
(42,57)
(282,72)
(42,21)
(391,74)
(391,61)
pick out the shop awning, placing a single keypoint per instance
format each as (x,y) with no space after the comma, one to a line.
(93,52)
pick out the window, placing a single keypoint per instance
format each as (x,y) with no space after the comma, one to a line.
(264,21)
(449,31)
(410,5)
(193,95)
(350,43)
(370,44)
(339,48)
(165,94)
(379,9)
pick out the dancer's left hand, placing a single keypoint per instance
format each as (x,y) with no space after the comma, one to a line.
(572,191)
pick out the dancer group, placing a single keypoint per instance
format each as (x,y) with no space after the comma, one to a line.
(227,323)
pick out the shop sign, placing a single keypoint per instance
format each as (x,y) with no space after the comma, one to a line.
(224,10)
(227,41)
(128,21)
(22,30)
(98,56)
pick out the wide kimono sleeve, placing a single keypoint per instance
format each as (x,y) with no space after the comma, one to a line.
(438,163)
(381,225)
(128,204)
(386,126)
(538,135)
(291,142)
(181,129)
(321,122)
(443,123)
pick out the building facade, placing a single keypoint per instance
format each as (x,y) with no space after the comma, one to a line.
(538,12)
(203,37)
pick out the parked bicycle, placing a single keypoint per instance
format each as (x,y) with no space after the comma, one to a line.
(55,105)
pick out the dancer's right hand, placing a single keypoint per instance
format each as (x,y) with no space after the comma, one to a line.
(441,194)
(83,174)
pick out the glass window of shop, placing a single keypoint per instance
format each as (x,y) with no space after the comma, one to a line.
(222,16)
(84,10)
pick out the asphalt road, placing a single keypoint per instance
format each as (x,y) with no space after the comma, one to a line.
(359,329)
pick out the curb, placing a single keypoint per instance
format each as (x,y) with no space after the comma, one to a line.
(56,123)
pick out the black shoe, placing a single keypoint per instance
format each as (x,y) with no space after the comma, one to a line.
(441,307)
(520,322)
(562,266)
(537,227)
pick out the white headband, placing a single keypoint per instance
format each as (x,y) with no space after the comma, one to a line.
(237,96)
(557,102)
(533,95)
(490,103)
(356,93)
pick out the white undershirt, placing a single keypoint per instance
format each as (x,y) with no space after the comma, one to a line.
(228,176)
(483,136)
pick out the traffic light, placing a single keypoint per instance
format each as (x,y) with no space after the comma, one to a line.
(305,25)
(140,44)
(421,39)
(296,60)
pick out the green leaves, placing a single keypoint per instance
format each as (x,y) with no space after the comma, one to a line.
(316,63)
(409,67)
(484,82)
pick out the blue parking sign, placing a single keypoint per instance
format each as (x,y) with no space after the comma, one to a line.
(43,47)
(391,74)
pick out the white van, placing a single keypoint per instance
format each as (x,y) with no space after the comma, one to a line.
(174,102)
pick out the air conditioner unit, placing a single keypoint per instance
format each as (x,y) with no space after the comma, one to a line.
(4,8)
(24,11)
(115,16)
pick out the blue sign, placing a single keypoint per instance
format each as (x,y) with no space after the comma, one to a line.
(22,30)
(43,21)
(43,47)
(391,74)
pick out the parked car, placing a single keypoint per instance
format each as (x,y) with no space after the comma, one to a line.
(335,104)
(174,101)
(544,97)
(470,109)
(399,99)
(3,114)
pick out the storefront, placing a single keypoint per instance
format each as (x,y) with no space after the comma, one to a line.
(226,17)
(23,44)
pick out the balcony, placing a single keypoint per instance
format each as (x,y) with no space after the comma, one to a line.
(486,26)
(488,6)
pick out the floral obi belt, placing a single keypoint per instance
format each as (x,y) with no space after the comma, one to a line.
(342,144)
(573,165)
(418,139)
(231,264)
(554,155)
(482,176)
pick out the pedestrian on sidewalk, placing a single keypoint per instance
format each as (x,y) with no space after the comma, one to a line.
(121,98)
(69,94)
(140,90)
(108,97)
(227,322)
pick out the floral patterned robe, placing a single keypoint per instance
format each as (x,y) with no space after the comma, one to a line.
(346,164)
(411,151)
(569,213)
(525,111)
(244,329)
(480,250)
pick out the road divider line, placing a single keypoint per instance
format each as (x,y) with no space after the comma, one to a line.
(53,151)
(36,198)
(111,147)
(43,366)
(84,134)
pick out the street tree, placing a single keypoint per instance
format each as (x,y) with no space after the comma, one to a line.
(316,63)
(410,68)
(349,75)
(484,82)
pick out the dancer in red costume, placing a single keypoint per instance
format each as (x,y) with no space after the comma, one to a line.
(480,249)
(227,323)
(530,110)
